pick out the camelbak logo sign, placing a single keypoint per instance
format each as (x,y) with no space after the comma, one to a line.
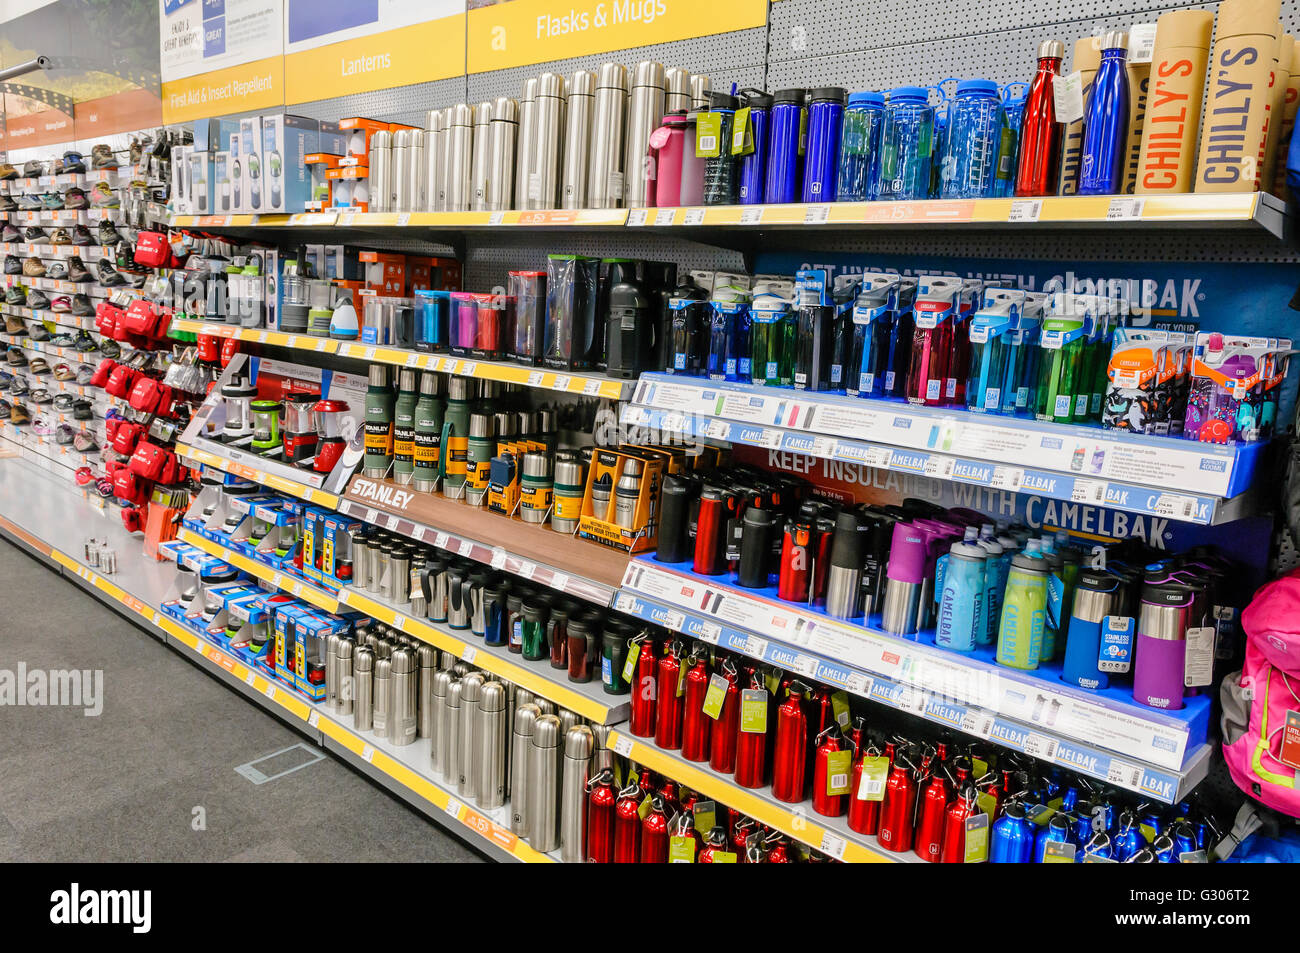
(1214,466)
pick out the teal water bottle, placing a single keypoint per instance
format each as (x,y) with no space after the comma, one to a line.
(996,564)
(962,598)
(1024,613)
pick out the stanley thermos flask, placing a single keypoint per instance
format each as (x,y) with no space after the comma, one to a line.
(450,757)
(399,199)
(381,171)
(471,687)
(501,155)
(524,144)
(425,708)
(480,157)
(543,156)
(677,91)
(578,745)
(383,692)
(434,187)
(490,736)
(544,784)
(459,148)
(608,126)
(442,682)
(404,688)
(577,139)
(419,605)
(521,745)
(347,690)
(363,664)
(645,111)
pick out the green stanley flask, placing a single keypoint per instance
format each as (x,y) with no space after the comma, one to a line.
(379,424)
(404,426)
(455,439)
(428,432)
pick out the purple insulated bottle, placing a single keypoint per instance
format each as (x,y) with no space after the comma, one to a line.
(906,576)
(1159,661)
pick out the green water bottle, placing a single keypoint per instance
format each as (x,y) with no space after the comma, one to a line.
(379,424)
(1024,613)
(771,341)
(1063,344)
(1105,343)
(404,426)
(428,432)
(455,439)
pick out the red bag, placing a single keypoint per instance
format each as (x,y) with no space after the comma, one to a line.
(152,462)
(153,250)
(126,436)
(102,372)
(121,380)
(151,396)
(145,318)
(128,486)
(107,318)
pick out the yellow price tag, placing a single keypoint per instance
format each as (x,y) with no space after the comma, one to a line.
(633,653)
(681,850)
(838,767)
(840,704)
(723,857)
(753,711)
(977,839)
(715,697)
(706,816)
(871,782)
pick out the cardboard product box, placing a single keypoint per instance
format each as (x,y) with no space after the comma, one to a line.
(332,138)
(221,183)
(350,187)
(597,522)
(358,131)
(180,179)
(213,135)
(250,144)
(319,165)
(286,142)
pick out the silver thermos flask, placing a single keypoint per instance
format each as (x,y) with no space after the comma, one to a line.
(347,689)
(416,199)
(481,161)
(677,90)
(363,712)
(645,111)
(578,745)
(332,671)
(577,139)
(471,687)
(490,734)
(501,155)
(360,562)
(608,126)
(545,706)
(419,604)
(433,185)
(426,705)
(383,706)
(460,146)
(381,170)
(602,756)
(699,92)
(442,682)
(524,147)
(436,597)
(544,155)
(399,198)
(544,784)
(568,719)
(521,747)
(398,589)
(451,730)
(401,711)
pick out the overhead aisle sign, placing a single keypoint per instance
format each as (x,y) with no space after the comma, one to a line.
(220,56)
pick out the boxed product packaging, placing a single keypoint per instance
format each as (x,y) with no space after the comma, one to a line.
(619,503)
(1140,359)
(319,165)
(357,132)
(338,532)
(286,638)
(250,143)
(180,176)
(571,333)
(285,144)
(1225,399)
(237,188)
(313,541)
(201,199)
(221,183)
(213,135)
(350,187)
(332,139)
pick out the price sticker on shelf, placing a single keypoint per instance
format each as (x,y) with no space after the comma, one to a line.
(262,336)
(1175,505)
(535,378)
(313,719)
(526,569)
(623,745)
(1025,210)
(468,369)
(816,214)
(694,216)
(751,215)
(591,387)
(1125,209)
(496,218)
(1088,491)
(833,844)
(412,360)
(665,216)
(249,679)
(1124,774)
(469,654)
(498,560)
(440,540)
(404,219)
(636,218)
(1039,746)
(367,754)
(368,354)
(1007,478)
(399,621)
(625,602)
(270,691)
(466,547)
(562,382)
(559,580)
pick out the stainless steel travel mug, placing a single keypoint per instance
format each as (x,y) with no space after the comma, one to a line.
(332,670)
(451,760)
(677,90)
(577,139)
(700,92)
(521,746)
(416,187)
(544,784)
(490,735)
(578,745)
(645,111)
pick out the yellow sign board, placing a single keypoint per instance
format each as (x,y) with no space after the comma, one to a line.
(245,88)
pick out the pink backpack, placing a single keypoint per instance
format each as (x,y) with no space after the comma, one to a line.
(1256,699)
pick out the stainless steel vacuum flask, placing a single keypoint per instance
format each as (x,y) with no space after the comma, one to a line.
(844,578)
(677,90)
(501,155)
(451,750)
(442,682)
(460,146)
(645,111)
(544,784)
(699,92)
(577,139)
(332,670)
(521,746)
(490,735)
(608,130)
(403,692)
(434,187)
(427,658)
(383,694)
(399,199)
(602,756)
(363,666)
(543,181)
(478,174)
(347,681)
(524,144)
(471,688)
(578,745)
(381,171)
(416,183)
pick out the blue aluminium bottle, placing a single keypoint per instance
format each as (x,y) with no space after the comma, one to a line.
(753,166)
(785,147)
(1014,97)
(1057,831)
(906,142)
(859,174)
(822,157)
(963,595)
(971,141)
(1012,840)
(1105,122)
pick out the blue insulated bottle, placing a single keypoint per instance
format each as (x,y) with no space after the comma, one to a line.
(1014,96)
(1105,122)
(859,174)
(1012,841)
(906,142)
(1095,597)
(1057,831)
(971,141)
(785,146)
(962,598)
(753,166)
(822,156)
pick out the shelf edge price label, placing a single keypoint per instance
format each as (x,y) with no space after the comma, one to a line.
(816,214)
(466,547)
(1087,491)
(453,807)
(833,844)
(469,654)
(752,215)
(367,754)
(636,218)
(1124,209)
(1025,210)
(623,746)
(313,719)
(498,558)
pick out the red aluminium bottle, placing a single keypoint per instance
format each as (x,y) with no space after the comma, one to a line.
(641,721)
(601,799)
(790,759)
(1040,133)
(696,727)
(668,716)
(930,824)
(954,827)
(627,826)
(715,843)
(828,743)
(778,848)
(897,812)
(751,746)
(864,814)
(722,731)
(654,833)
(744,828)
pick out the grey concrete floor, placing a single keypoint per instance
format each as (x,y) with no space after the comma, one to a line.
(125,786)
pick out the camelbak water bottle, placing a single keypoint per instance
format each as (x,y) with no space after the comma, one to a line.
(874,315)
(1095,598)
(932,342)
(1024,613)
(962,598)
(989,349)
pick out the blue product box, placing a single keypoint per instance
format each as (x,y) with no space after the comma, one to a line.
(284,144)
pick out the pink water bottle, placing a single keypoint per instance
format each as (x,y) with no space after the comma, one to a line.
(667,145)
(1159,663)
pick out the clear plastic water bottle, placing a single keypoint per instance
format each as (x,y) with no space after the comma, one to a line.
(971,141)
(906,144)
(859,173)
(1014,97)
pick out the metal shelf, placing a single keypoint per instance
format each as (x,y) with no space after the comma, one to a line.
(321,598)
(231,460)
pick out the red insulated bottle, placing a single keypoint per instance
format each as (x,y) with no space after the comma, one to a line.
(601,800)
(828,743)
(668,716)
(954,827)
(1040,133)
(930,825)
(627,826)
(641,722)
(796,560)
(654,833)
(790,760)
(711,531)
(751,747)
(722,732)
(898,811)
(696,726)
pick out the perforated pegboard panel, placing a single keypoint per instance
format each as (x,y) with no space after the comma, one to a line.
(404,104)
